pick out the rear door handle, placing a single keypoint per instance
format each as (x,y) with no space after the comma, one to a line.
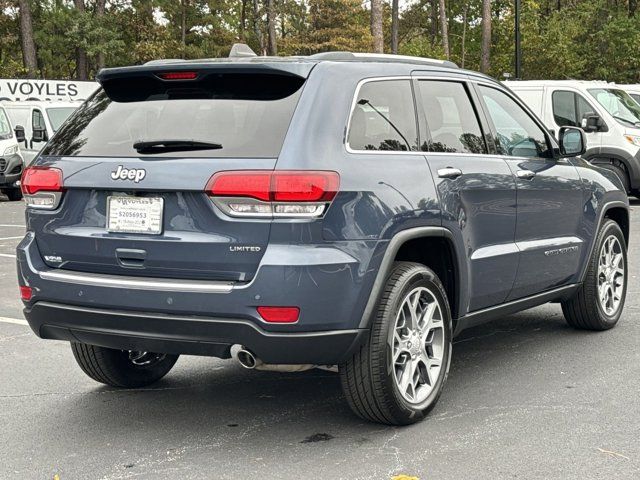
(449,172)
(525,174)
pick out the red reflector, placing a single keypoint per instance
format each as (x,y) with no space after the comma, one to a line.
(178,75)
(254,184)
(41,179)
(26,293)
(279,186)
(279,314)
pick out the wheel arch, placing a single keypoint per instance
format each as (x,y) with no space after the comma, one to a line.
(431,246)
(616,210)
(604,155)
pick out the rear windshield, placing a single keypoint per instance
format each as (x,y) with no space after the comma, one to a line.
(239,118)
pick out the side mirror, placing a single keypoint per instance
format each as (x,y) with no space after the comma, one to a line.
(20,135)
(592,122)
(573,141)
(40,135)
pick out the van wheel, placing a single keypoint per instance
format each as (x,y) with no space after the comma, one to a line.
(397,375)
(14,194)
(598,304)
(122,368)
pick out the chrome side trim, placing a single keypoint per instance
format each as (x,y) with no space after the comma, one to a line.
(136,283)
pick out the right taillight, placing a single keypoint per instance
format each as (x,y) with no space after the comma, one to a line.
(264,193)
(42,187)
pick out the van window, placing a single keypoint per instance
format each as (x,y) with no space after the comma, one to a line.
(248,115)
(619,105)
(19,116)
(5,126)
(451,119)
(518,135)
(384,117)
(569,108)
(38,120)
(58,115)
(635,96)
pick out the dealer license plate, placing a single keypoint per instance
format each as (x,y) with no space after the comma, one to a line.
(134,214)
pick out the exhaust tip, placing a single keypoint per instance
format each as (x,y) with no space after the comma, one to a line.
(246,359)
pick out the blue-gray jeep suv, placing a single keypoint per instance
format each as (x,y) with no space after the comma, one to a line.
(338,209)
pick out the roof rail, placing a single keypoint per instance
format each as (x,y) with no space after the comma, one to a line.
(381,57)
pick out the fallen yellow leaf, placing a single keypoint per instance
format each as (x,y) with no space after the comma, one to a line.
(404,477)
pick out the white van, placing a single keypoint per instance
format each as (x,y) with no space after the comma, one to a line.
(36,122)
(11,162)
(608,115)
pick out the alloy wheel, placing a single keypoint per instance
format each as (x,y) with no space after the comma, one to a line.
(417,345)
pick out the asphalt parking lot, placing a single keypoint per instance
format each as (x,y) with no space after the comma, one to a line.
(527,397)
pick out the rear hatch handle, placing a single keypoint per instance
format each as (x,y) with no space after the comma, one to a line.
(131,258)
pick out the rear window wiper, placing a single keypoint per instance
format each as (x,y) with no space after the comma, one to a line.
(158,146)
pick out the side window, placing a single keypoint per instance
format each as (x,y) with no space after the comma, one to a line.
(564,108)
(384,117)
(37,120)
(451,119)
(518,134)
(635,96)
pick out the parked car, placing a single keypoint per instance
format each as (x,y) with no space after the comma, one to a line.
(11,162)
(632,90)
(608,115)
(38,121)
(337,209)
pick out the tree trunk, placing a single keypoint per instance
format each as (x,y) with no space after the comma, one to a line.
(485,55)
(100,7)
(81,55)
(256,26)
(376,26)
(444,29)
(394,26)
(434,21)
(271,28)
(183,27)
(464,34)
(243,21)
(26,38)
(633,5)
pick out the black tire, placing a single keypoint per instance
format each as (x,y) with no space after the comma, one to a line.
(115,368)
(368,377)
(584,310)
(13,194)
(622,174)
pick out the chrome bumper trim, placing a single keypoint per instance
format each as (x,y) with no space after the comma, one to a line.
(136,283)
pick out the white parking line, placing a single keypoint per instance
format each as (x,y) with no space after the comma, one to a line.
(11,238)
(7,255)
(16,226)
(15,321)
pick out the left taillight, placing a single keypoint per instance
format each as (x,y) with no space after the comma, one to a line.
(42,187)
(279,194)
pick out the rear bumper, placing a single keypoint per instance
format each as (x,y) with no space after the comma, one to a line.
(330,286)
(187,334)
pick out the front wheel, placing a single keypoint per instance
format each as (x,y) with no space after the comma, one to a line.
(122,368)
(398,374)
(598,304)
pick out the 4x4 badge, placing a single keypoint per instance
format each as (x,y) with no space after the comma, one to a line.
(135,174)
